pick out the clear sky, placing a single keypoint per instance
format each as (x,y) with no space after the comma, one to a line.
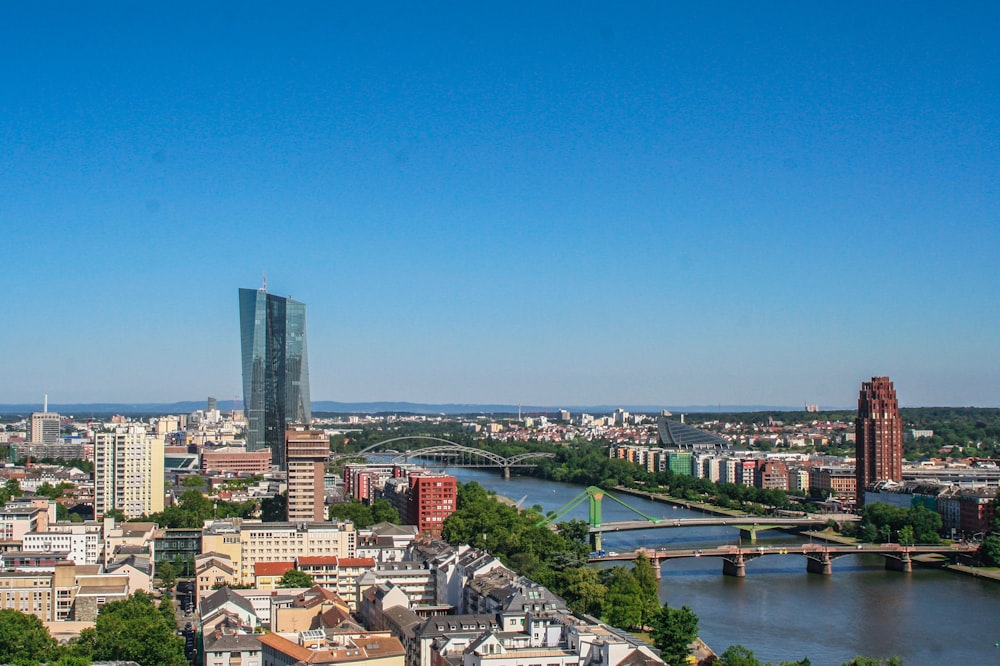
(552,203)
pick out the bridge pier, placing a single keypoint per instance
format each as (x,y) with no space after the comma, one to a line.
(903,563)
(748,534)
(822,565)
(655,562)
(734,567)
(595,542)
(506,473)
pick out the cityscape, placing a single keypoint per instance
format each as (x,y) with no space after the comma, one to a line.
(336,541)
(443,334)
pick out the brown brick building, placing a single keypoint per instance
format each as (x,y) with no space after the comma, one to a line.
(306,452)
(878,436)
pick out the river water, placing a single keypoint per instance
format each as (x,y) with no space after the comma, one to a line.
(929,618)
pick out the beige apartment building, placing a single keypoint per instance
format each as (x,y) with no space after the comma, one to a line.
(128,472)
(248,543)
(67,593)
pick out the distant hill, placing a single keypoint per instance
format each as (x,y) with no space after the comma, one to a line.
(185,407)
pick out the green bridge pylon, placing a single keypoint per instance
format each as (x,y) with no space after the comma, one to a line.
(594,497)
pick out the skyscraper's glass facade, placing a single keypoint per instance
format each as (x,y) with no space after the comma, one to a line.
(275,369)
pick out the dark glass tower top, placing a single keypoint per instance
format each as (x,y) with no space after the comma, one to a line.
(275,369)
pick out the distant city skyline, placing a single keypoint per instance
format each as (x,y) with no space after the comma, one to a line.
(556,204)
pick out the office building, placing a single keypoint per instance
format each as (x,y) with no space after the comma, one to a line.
(43,426)
(306,452)
(878,434)
(128,472)
(275,369)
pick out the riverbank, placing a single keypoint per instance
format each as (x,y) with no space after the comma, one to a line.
(703,507)
(989,573)
(779,610)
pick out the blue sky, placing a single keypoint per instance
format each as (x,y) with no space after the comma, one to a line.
(548,203)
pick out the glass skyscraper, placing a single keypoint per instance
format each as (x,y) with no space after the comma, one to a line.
(275,369)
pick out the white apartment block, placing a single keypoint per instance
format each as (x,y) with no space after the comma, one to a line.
(83,542)
(128,472)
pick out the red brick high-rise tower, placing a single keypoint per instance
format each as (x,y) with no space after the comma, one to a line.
(879,436)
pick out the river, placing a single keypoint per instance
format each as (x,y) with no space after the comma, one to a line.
(929,618)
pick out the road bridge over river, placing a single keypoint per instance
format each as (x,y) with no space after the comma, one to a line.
(819,557)
(748,525)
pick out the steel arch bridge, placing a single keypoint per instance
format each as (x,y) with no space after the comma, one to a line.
(457,455)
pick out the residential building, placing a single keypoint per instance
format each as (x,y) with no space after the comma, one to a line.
(878,436)
(772,475)
(83,541)
(840,482)
(275,369)
(316,647)
(310,609)
(306,452)
(212,571)
(247,543)
(128,472)
(16,520)
(423,499)
(229,646)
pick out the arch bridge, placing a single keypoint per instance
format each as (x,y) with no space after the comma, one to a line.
(452,454)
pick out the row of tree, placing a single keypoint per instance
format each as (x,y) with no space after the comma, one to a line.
(132,629)
(364,515)
(738,655)
(885,523)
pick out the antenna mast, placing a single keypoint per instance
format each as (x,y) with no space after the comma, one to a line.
(264,288)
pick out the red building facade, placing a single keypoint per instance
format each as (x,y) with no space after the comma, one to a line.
(431,500)
(878,436)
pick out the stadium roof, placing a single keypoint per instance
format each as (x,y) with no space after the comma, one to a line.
(677,435)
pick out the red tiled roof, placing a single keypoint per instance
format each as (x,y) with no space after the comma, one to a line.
(318,560)
(272,568)
(357,562)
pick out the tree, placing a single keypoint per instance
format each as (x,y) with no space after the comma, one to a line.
(24,639)
(645,575)
(353,511)
(584,592)
(193,481)
(296,578)
(989,551)
(623,600)
(926,524)
(132,629)
(673,632)
(274,509)
(10,489)
(384,512)
(737,655)
(167,573)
